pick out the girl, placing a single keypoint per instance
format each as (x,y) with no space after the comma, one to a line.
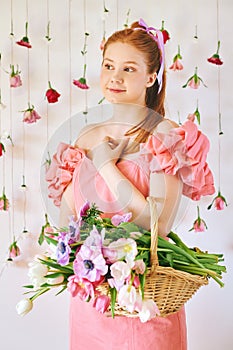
(118,163)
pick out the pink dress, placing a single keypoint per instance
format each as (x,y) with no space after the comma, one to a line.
(183,150)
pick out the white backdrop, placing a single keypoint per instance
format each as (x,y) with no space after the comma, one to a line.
(210,311)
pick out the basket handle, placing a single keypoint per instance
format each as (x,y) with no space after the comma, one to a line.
(154,233)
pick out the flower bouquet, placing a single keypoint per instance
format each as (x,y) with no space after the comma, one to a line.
(111,262)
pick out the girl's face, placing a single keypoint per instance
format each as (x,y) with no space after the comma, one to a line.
(124,77)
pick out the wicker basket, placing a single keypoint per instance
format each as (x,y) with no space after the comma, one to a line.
(169,288)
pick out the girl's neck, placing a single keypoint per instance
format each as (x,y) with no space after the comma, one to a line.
(128,113)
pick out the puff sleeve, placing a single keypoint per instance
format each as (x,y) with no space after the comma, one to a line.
(183,151)
(61,170)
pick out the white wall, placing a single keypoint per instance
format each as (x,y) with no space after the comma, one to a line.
(210,312)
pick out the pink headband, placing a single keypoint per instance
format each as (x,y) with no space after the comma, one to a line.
(158,37)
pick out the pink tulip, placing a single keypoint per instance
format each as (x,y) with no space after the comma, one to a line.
(219,203)
(194,81)
(101,303)
(177,65)
(199,226)
(15,81)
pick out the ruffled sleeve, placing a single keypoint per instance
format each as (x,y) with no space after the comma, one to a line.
(61,169)
(184,151)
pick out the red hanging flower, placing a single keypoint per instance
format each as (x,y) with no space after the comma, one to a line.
(81,82)
(176,61)
(165,33)
(219,202)
(215,59)
(25,41)
(52,95)
(2,149)
(195,115)
(194,81)
(30,115)
(199,224)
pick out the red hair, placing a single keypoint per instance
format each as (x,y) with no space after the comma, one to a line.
(144,43)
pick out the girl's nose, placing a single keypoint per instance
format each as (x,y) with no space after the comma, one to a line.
(116,78)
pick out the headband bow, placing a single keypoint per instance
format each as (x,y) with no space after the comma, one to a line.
(158,37)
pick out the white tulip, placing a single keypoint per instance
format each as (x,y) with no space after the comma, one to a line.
(24,306)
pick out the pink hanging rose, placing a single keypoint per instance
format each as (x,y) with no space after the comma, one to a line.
(14,251)
(194,81)
(215,59)
(199,224)
(176,61)
(219,202)
(15,79)
(4,201)
(30,116)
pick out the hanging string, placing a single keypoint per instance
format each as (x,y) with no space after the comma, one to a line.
(117,14)
(12,211)
(84,58)
(219,106)
(70,73)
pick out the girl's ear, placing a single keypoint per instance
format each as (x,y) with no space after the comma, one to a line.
(151,79)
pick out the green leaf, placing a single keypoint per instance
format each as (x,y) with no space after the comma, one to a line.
(113,293)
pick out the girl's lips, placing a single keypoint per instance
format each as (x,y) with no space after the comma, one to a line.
(116,90)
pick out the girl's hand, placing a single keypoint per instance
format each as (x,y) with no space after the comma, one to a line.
(110,150)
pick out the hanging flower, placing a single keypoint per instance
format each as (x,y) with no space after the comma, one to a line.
(30,115)
(176,61)
(165,33)
(2,149)
(126,24)
(195,115)
(52,95)
(14,251)
(4,201)
(25,41)
(45,229)
(6,136)
(194,81)
(215,59)
(2,105)
(81,82)
(103,41)
(219,202)
(15,79)
(199,224)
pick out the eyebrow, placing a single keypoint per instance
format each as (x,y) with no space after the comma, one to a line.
(127,62)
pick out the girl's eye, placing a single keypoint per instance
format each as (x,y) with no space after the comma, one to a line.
(108,66)
(129,69)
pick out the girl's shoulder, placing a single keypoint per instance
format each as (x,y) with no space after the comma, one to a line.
(165,126)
